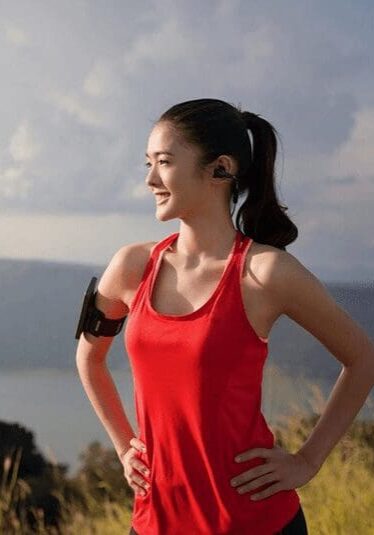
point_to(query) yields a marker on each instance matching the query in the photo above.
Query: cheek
(182, 183)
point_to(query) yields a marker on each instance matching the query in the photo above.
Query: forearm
(345, 401)
(103, 395)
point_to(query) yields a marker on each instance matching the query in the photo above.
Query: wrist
(123, 452)
(313, 463)
(125, 446)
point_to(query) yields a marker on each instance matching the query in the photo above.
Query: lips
(161, 197)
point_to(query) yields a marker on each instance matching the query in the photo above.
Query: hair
(216, 128)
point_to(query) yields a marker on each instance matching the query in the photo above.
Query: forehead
(163, 139)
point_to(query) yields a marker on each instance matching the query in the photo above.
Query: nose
(151, 179)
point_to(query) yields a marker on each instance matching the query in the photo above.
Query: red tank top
(197, 394)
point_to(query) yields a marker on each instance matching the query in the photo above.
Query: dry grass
(338, 501)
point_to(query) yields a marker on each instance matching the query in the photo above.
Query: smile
(160, 198)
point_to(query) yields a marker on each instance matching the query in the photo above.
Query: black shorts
(296, 526)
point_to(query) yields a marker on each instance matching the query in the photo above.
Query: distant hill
(39, 311)
(41, 301)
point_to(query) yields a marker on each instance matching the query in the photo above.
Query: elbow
(369, 363)
(363, 366)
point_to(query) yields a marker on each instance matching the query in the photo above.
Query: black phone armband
(93, 320)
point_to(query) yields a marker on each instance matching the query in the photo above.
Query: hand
(286, 470)
(133, 466)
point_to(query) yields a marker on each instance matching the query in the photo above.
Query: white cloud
(15, 35)
(37, 235)
(140, 191)
(13, 184)
(168, 43)
(100, 81)
(73, 106)
(23, 145)
(112, 71)
(356, 156)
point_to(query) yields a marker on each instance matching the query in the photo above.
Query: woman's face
(176, 174)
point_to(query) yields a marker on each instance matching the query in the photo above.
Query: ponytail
(261, 214)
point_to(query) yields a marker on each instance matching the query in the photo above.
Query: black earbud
(220, 172)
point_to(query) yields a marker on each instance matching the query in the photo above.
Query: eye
(160, 161)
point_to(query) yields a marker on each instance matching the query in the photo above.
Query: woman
(201, 304)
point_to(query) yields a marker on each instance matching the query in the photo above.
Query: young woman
(201, 303)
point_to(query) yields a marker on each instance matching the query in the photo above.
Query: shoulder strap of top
(164, 243)
(155, 251)
(151, 262)
(241, 253)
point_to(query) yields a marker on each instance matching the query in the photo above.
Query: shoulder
(121, 276)
(279, 273)
(265, 261)
(298, 293)
(132, 256)
(130, 261)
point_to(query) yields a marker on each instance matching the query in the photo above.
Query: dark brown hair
(216, 128)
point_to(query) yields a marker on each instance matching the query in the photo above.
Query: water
(54, 406)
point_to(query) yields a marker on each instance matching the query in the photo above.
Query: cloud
(23, 145)
(13, 184)
(101, 80)
(166, 44)
(97, 75)
(356, 155)
(15, 35)
(73, 105)
(82, 83)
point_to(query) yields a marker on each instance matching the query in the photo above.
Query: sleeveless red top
(197, 394)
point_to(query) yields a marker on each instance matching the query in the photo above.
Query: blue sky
(83, 81)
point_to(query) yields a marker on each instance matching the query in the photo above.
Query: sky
(82, 83)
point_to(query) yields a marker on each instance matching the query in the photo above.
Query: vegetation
(37, 496)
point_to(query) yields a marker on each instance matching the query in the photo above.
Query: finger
(142, 468)
(138, 489)
(138, 444)
(134, 482)
(267, 492)
(252, 473)
(256, 452)
(135, 478)
(258, 482)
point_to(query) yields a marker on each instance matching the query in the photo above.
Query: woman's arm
(103, 395)
(305, 300)
(92, 351)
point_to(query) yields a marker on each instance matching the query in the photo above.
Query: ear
(228, 162)
(225, 161)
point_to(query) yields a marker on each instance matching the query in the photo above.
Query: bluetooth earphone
(220, 172)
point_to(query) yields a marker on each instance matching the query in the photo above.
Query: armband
(93, 320)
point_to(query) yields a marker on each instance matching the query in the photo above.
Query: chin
(165, 213)
(165, 217)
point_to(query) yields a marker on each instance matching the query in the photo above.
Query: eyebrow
(160, 152)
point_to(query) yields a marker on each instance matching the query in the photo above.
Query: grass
(339, 500)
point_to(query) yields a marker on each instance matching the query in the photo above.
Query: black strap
(93, 320)
(97, 324)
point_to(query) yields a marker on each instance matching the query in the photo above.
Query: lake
(54, 406)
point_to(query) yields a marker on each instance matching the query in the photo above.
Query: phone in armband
(93, 320)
